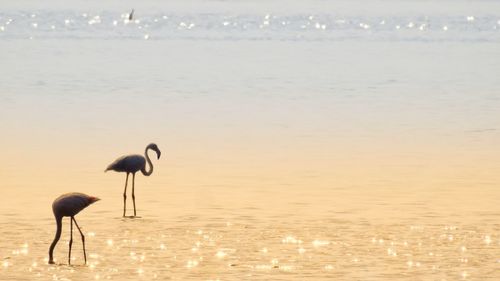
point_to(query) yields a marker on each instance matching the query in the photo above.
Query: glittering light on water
(286, 267)
(328, 267)
(220, 254)
(95, 20)
(470, 18)
(191, 263)
(109, 242)
(487, 239)
(291, 240)
(5, 264)
(262, 267)
(320, 243)
(445, 28)
(391, 252)
(146, 36)
(364, 25)
(301, 250)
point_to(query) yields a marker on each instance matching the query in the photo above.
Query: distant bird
(131, 15)
(132, 164)
(68, 205)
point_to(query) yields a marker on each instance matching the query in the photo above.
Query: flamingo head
(154, 147)
(93, 199)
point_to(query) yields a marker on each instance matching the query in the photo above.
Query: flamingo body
(69, 205)
(129, 164)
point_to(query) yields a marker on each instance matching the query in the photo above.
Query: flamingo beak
(94, 199)
(158, 153)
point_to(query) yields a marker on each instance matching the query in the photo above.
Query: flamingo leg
(133, 195)
(83, 240)
(70, 240)
(125, 196)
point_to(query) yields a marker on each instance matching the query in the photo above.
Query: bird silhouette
(132, 164)
(131, 15)
(68, 205)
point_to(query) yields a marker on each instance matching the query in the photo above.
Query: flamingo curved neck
(143, 170)
(56, 239)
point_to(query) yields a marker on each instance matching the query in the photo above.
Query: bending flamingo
(132, 164)
(68, 205)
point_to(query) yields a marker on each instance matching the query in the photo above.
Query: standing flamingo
(132, 164)
(68, 205)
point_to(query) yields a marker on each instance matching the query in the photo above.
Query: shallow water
(302, 141)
